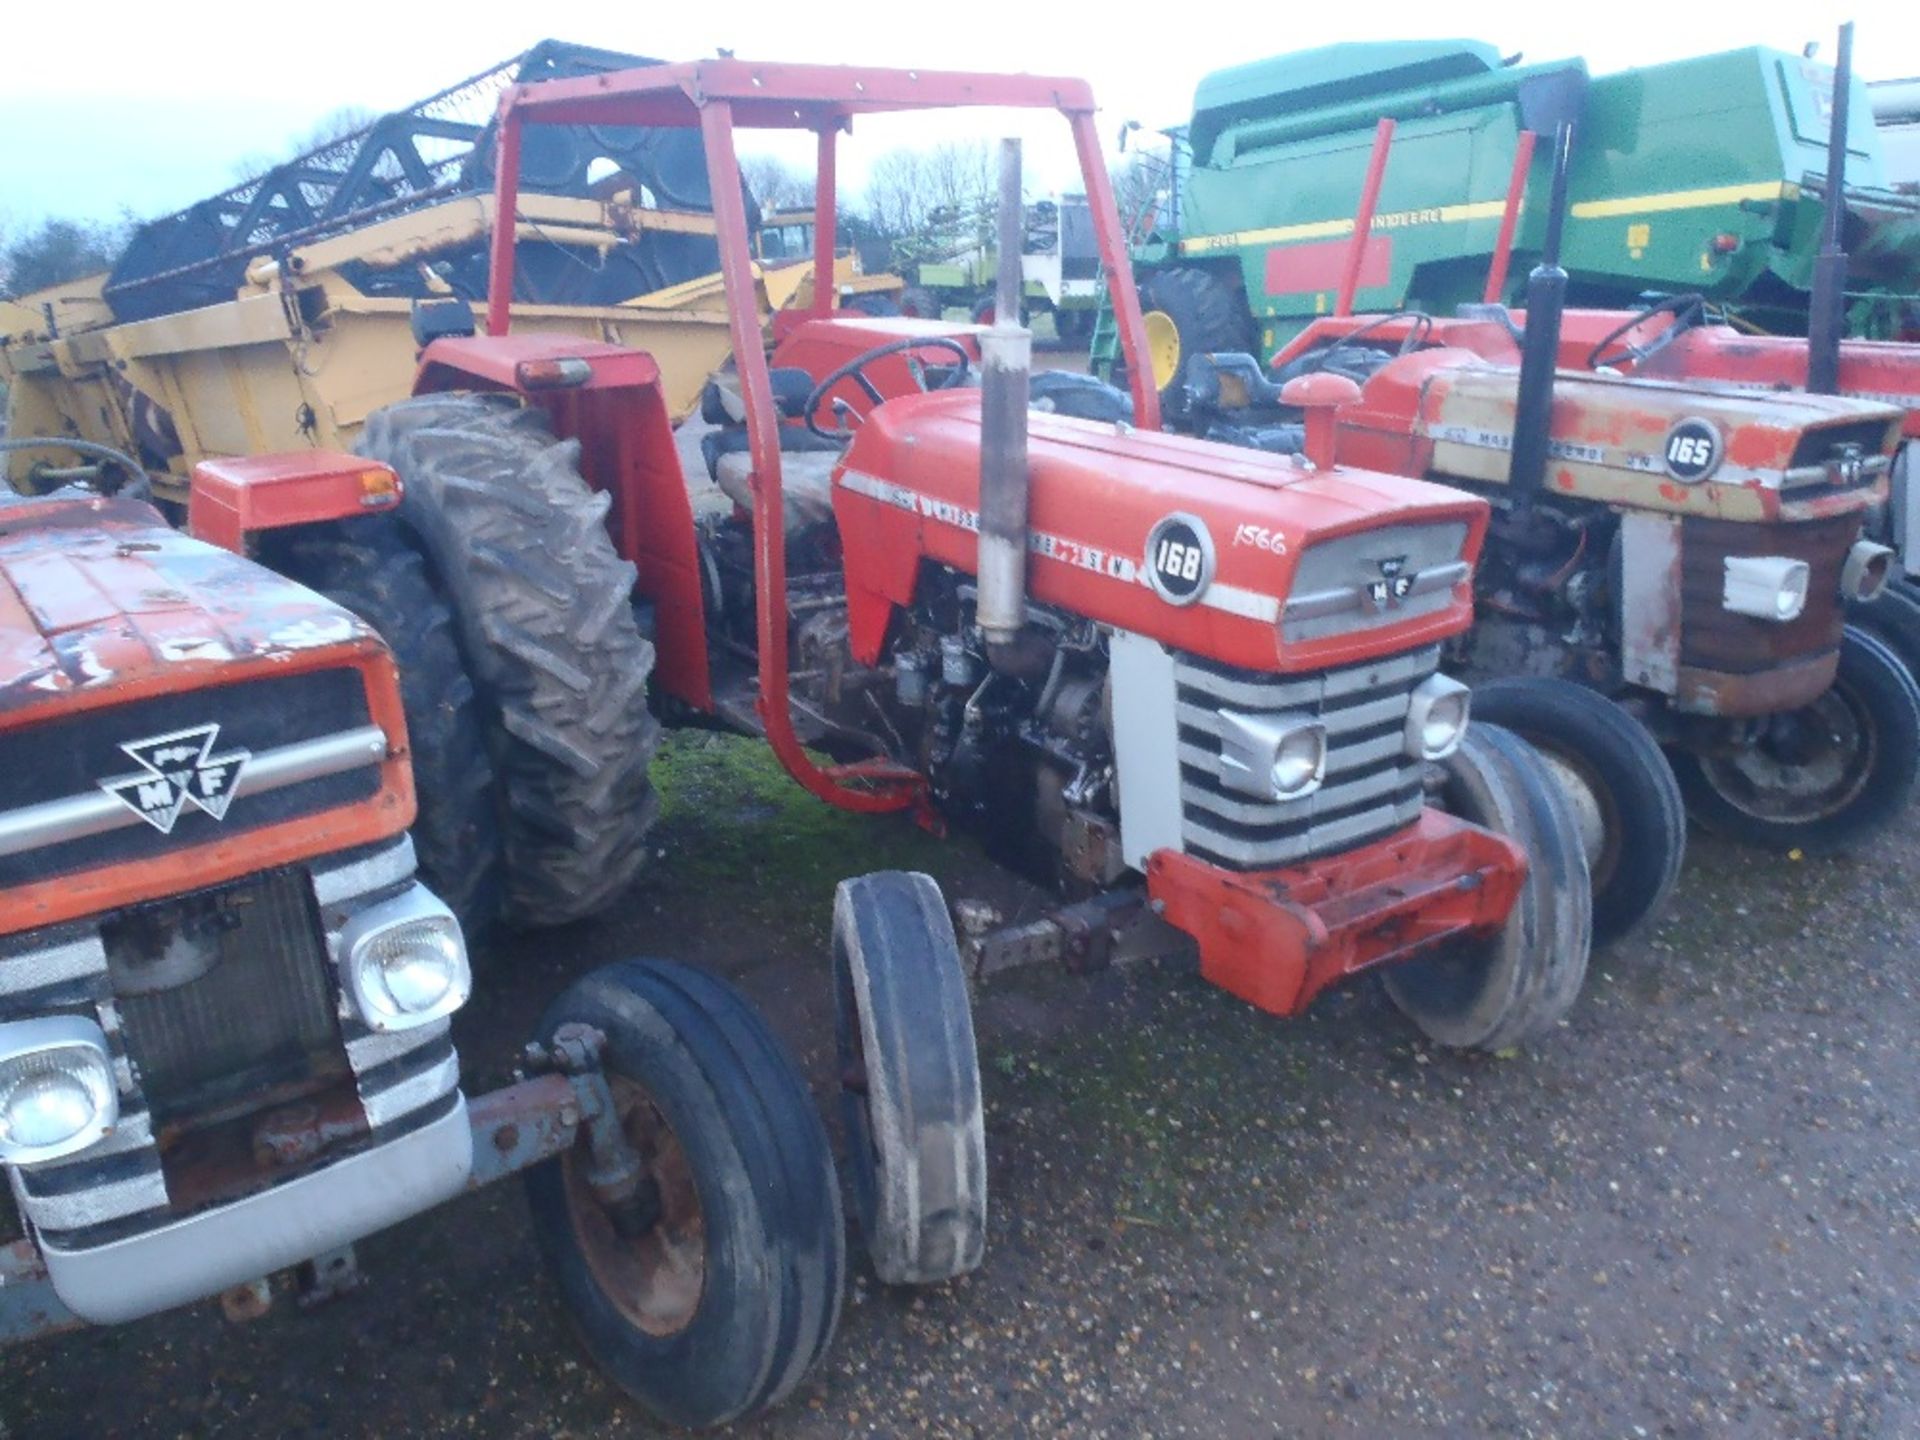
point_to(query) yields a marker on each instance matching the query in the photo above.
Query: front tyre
(727, 1294)
(1822, 778)
(1491, 992)
(1893, 618)
(910, 1079)
(1633, 823)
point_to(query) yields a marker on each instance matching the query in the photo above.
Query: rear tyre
(1893, 618)
(721, 1304)
(368, 566)
(519, 544)
(1492, 992)
(1633, 823)
(1824, 777)
(1190, 312)
(876, 304)
(910, 1079)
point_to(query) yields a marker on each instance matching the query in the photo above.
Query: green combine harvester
(1704, 175)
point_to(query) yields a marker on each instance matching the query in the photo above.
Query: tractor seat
(806, 484)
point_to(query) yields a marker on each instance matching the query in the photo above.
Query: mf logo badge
(176, 770)
(1179, 559)
(1693, 450)
(1393, 586)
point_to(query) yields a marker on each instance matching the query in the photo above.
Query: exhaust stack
(1006, 360)
(1826, 305)
(1540, 346)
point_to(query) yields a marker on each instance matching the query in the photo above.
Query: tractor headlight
(1299, 762)
(1437, 718)
(1273, 757)
(57, 1093)
(1869, 566)
(1767, 587)
(404, 962)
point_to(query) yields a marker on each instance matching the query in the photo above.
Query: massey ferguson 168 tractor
(225, 998)
(1194, 685)
(1691, 550)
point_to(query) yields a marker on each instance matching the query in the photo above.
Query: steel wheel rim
(1762, 783)
(1163, 347)
(655, 1280)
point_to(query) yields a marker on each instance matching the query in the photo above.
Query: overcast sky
(149, 105)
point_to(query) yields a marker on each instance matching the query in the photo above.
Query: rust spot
(1677, 493)
(1564, 479)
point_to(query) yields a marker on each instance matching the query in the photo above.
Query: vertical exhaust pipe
(1540, 346)
(1826, 305)
(1006, 359)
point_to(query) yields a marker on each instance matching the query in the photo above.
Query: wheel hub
(1806, 765)
(1163, 347)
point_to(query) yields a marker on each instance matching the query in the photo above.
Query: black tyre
(1824, 777)
(874, 303)
(722, 1303)
(519, 544)
(1893, 618)
(910, 1079)
(368, 566)
(1190, 312)
(1067, 392)
(919, 303)
(985, 310)
(1633, 823)
(1493, 992)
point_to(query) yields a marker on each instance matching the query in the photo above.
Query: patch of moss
(737, 830)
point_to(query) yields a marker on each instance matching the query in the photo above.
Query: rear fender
(617, 410)
(234, 498)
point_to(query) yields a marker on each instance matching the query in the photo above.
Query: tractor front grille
(1372, 788)
(226, 996)
(1713, 638)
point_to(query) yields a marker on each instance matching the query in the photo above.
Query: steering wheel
(855, 370)
(132, 479)
(1687, 311)
(1416, 335)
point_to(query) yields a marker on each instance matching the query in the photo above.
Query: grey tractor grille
(1372, 788)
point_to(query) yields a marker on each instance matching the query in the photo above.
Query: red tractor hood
(908, 490)
(99, 599)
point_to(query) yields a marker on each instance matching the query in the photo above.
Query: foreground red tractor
(1197, 686)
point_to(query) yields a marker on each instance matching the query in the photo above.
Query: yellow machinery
(303, 354)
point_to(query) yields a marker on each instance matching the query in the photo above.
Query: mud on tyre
(518, 543)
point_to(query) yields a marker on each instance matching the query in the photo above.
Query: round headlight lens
(1446, 722)
(409, 966)
(52, 1099)
(1300, 762)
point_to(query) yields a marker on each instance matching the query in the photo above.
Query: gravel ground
(1692, 1211)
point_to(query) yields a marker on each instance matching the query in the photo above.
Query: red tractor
(1692, 551)
(1196, 687)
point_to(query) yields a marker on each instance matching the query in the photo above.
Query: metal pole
(1006, 359)
(1363, 217)
(1509, 218)
(1825, 306)
(825, 300)
(1540, 346)
(506, 202)
(1117, 266)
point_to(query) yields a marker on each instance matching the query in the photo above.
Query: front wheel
(1490, 992)
(1633, 823)
(910, 1079)
(1893, 618)
(1824, 777)
(723, 1293)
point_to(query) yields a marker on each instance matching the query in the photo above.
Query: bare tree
(774, 184)
(899, 193)
(960, 178)
(1141, 187)
(335, 125)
